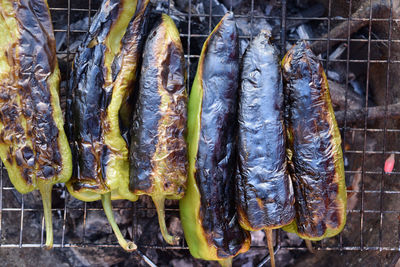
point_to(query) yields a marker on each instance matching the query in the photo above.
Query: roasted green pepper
(208, 211)
(33, 144)
(102, 81)
(314, 150)
(158, 148)
(264, 189)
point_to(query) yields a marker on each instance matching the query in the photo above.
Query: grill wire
(356, 215)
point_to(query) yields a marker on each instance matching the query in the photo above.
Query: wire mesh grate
(374, 196)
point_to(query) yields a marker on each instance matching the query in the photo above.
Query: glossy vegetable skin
(33, 145)
(314, 147)
(264, 189)
(158, 149)
(208, 211)
(102, 82)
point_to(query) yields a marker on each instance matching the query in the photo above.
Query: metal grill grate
(375, 194)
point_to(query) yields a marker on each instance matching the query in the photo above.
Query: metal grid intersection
(357, 215)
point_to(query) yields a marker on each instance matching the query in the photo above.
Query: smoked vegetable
(208, 211)
(33, 144)
(264, 189)
(315, 154)
(102, 83)
(158, 149)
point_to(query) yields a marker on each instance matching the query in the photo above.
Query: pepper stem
(309, 246)
(268, 233)
(159, 203)
(226, 262)
(45, 191)
(106, 201)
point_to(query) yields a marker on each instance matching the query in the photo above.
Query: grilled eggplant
(158, 149)
(264, 189)
(33, 144)
(314, 147)
(102, 82)
(208, 211)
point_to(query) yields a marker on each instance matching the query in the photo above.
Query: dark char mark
(174, 81)
(264, 190)
(133, 40)
(144, 130)
(36, 62)
(313, 166)
(87, 108)
(169, 75)
(215, 165)
(89, 98)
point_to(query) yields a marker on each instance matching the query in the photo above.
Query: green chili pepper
(208, 211)
(33, 145)
(158, 148)
(101, 86)
(314, 147)
(264, 189)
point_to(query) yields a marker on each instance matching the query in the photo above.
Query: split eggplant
(208, 211)
(314, 147)
(33, 144)
(158, 149)
(264, 189)
(101, 86)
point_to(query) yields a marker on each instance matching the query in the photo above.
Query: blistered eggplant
(158, 148)
(33, 144)
(208, 211)
(314, 147)
(264, 189)
(102, 82)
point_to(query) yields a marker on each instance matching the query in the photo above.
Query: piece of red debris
(389, 164)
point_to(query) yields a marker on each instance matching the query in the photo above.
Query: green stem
(159, 203)
(309, 245)
(268, 233)
(226, 262)
(45, 191)
(106, 201)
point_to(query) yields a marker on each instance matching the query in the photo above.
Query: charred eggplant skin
(102, 81)
(314, 147)
(208, 212)
(158, 154)
(264, 189)
(33, 144)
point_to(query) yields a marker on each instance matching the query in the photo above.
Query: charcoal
(232, 3)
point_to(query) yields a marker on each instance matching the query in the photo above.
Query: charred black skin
(315, 155)
(148, 114)
(87, 101)
(264, 190)
(144, 131)
(216, 157)
(37, 61)
(89, 98)
(158, 150)
(33, 144)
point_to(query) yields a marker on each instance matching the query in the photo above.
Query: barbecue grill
(372, 192)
